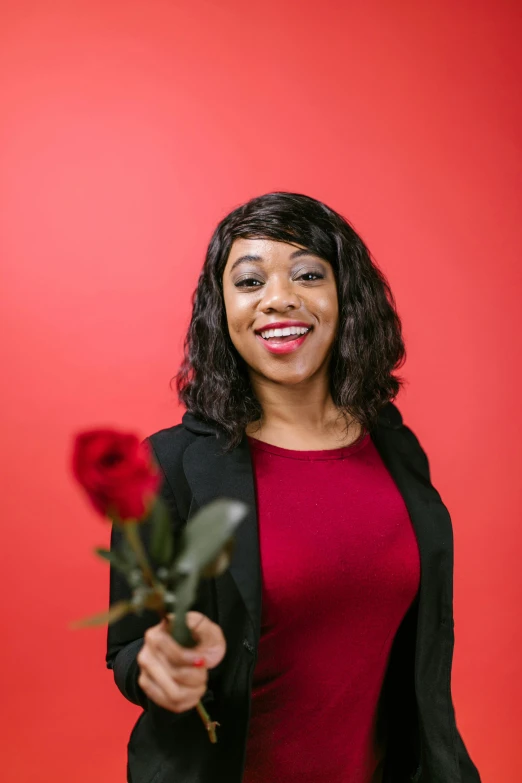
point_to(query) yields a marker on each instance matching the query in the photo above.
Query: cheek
(236, 322)
(237, 314)
(328, 309)
(230, 310)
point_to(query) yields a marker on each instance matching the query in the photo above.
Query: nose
(279, 296)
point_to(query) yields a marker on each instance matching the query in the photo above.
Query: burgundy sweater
(340, 568)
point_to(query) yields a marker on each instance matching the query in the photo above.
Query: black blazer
(424, 744)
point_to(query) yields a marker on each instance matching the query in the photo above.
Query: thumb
(208, 637)
(210, 641)
(193, 619)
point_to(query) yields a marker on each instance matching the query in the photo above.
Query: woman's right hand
(168, 674)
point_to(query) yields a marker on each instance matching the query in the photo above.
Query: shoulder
(169, 439)
(390, 416)
(168, 446)
(170, 443)
(404, 439)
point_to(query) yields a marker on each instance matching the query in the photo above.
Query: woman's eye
(253, 282)
(248, 282)
(311, 276)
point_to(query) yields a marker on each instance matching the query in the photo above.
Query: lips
(282, 343)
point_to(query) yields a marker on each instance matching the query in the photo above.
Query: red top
(340, 568)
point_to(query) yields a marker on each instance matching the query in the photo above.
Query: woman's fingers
(184, 700)
(174, 688)
(167, 672)
(159, 640)
(211, 644)
(191, 676)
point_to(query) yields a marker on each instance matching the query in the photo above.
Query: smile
(285, 339)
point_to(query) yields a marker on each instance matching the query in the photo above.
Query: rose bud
(117, 471)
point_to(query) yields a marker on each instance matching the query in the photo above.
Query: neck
(301, 408)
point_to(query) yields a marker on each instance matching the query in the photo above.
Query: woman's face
(271, 285)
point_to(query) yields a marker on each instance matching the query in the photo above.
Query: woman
(325, 650)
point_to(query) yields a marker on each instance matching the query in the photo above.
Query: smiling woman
(286, 283)
(283, 261)
(278, 336)
(333, 627)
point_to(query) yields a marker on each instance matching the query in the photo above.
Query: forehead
(269, 251)
(262, 247)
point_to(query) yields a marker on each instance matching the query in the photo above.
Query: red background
(129, 130)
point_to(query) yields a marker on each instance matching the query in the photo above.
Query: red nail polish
(198, 662)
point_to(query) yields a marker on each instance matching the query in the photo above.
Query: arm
(125, 637)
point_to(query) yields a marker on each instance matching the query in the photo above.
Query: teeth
(297, 330)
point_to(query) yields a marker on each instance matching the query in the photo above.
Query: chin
(288, 379)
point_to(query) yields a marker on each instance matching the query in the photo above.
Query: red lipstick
(283, 344)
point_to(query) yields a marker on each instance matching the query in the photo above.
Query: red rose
(117, 471)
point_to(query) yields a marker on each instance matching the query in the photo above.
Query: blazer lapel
(211, 475)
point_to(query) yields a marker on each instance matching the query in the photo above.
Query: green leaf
(186, 591)
(116, 611)
(116, 559)
(206, 548)
(162, 540)
(207, 533)
(207, 545)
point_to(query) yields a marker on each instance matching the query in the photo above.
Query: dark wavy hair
(213, 381)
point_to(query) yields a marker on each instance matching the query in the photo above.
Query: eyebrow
(260, 259)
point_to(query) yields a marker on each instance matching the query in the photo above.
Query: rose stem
(131, 533)
(210, 725)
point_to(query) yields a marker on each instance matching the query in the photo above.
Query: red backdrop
(129, 130)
